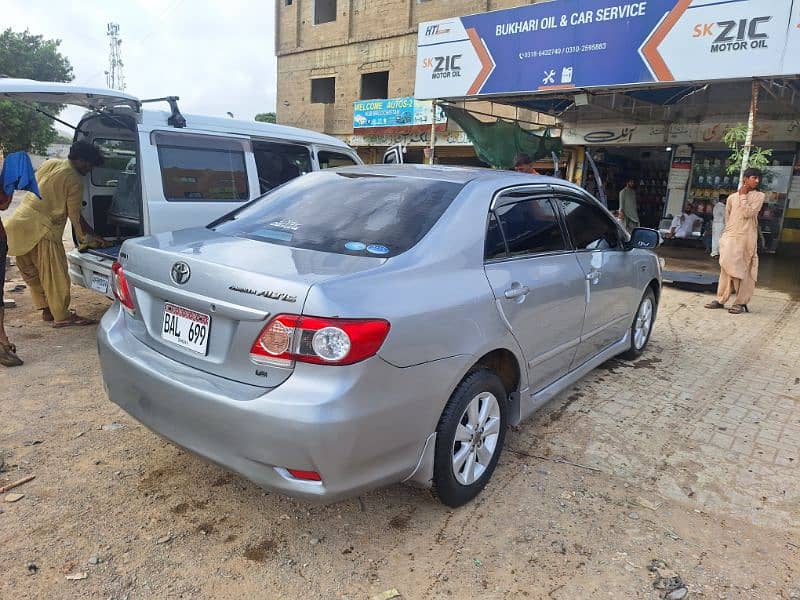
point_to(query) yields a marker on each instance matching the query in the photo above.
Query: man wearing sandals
(738, 246)
(36, 229)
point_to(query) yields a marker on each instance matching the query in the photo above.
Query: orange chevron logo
(650, 49)
(487, 64)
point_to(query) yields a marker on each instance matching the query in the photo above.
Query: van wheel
(469, 437)
(642, 325)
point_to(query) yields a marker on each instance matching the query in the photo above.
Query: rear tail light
(317, 340)
(120, 286)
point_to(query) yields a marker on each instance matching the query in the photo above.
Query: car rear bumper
(359, 426)
(86, 269)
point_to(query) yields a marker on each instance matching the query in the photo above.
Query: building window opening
(323, 90)
(324, 11)
(288, 2)
(375, 85)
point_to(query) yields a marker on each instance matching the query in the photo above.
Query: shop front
(688, 164)
(647, 166)
(648, 95)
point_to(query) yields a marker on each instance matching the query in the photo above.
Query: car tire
(642, 326)
(469, 437)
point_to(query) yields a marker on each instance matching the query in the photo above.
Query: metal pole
(433, 132)
(751, 125)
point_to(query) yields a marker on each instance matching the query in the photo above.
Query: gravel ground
(620, 485)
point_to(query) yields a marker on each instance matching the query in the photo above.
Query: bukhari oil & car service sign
(601, 43)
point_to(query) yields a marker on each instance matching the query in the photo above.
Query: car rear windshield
(346, 213)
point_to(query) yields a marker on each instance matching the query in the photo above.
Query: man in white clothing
(717, 226)
(683, 225)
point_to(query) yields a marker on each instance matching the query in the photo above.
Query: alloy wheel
(644, 321)
(476, 437)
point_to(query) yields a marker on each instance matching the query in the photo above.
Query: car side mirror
(644, 239)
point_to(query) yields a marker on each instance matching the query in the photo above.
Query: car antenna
(176, 119)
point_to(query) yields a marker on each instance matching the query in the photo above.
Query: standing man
(738, 246)
(36, 228)
(628, 207)
(717, 226)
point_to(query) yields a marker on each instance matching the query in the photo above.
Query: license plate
(186, 328)
(99, 283)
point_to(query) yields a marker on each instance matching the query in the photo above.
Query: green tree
(735, 138)
(27, 56)
(266, 117)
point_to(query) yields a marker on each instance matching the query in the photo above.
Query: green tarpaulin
(499, 142)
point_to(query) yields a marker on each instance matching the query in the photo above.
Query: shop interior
(647, 166)
(711, 182)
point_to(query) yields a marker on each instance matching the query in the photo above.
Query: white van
(164, 171)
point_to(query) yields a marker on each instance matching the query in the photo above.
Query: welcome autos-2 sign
(601, 43)
(395, 112)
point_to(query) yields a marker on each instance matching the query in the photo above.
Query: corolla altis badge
(377, 249)
(180, 272)
(355, 246)
(264, 293)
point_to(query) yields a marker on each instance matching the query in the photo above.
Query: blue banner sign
(603, 43)
(394, 112)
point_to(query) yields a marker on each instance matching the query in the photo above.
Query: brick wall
(367, 36)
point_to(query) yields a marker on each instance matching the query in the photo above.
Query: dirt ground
(688, 457)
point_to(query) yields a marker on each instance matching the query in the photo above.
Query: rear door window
(528, 227)
(117, 155)
(331, 160)
(346, 213)
(200, 168)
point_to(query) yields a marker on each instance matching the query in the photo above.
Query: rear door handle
(517, 291)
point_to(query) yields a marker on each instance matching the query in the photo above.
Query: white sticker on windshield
(286, 224)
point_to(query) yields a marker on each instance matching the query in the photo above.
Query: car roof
(158, 118)
(456, 174)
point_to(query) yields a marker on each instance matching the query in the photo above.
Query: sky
(218, 56)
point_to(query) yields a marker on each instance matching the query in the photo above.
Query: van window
(344, 213)
(331, 160)
(117, 155)
(197, 168)
(278, 163)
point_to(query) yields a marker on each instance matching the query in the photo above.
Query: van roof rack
(176, 119)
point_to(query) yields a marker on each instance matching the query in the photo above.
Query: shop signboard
(420, 138)
(569, 44)
(395, 112)
(709, 131)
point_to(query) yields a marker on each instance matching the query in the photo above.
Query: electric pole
(114, 77)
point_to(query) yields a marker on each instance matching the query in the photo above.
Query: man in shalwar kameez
(35, 230)
(738, 246)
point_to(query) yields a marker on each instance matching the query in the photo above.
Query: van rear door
(28, 90)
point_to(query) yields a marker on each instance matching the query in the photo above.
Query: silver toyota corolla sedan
(371, 325)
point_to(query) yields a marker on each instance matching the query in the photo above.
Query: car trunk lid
(186, 279)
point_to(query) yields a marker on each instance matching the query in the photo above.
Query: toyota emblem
(181, 273)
